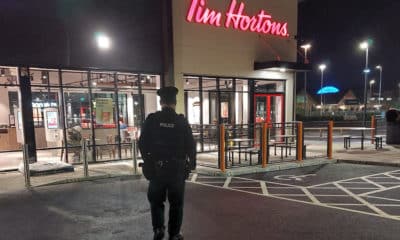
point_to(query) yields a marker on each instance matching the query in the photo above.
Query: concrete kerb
(91, 178)
(258, 169)
(364, 162)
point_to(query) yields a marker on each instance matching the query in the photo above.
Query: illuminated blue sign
(328, 90)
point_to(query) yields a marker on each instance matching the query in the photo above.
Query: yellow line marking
(264, 188)
(361, 200)
(227, 181)
(194, 177)
(304, 202)
(310, 195)
(382, 198)
(377, 191)
(373, 183)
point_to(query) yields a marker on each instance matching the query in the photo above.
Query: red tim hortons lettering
(236, 19)
(200, 14)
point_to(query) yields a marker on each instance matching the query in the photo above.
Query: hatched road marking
(354, 194)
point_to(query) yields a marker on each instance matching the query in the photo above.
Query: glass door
(269, 108)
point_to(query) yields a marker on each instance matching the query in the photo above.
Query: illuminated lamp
(103, 41)
(328, 90)
(367, 70)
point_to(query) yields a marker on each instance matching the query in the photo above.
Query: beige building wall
(207, 50)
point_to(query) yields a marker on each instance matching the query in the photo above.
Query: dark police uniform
(166, 142)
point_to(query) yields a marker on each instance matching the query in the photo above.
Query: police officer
(168, 151)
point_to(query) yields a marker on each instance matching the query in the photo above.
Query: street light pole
(305, 47)
(371, 84)
(379, 67)
(365, 46)
(399, 90)
(322, 67)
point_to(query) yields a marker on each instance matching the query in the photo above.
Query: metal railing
(82, 171)
(259, 144)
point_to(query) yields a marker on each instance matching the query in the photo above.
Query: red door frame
(268, 105)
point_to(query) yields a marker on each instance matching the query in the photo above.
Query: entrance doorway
(269, 108)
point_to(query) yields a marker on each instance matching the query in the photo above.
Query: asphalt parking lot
(352, 202)
(364, 189)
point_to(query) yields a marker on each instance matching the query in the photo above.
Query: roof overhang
(281, 65)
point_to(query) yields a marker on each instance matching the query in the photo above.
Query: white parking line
(264, 188)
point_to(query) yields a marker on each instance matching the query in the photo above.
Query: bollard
(264, 145)
(27, 173)
(373, 131)
(222, 147)
(134, 156)
(299, 148)
(330, 140)
(85, 162)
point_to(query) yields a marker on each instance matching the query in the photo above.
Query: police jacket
(166, 144)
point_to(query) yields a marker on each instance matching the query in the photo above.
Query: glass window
(44, 77)
(267, 86)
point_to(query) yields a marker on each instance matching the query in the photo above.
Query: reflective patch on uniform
(167, 125)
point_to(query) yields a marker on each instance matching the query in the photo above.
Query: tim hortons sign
(236, 18)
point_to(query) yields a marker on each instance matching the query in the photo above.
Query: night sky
(336, 27)
(62, 33)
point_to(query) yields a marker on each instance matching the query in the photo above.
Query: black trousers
(157, 193)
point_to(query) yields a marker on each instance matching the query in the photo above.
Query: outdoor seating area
(376, 140)
(244, 143)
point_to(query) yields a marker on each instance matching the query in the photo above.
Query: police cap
(168, 94)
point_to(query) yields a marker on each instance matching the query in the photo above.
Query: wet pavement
(365, 189)
(341, 201)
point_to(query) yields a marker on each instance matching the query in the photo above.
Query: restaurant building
(234, 62)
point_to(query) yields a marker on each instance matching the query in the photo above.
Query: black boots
(159, 234)
(176, 237)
